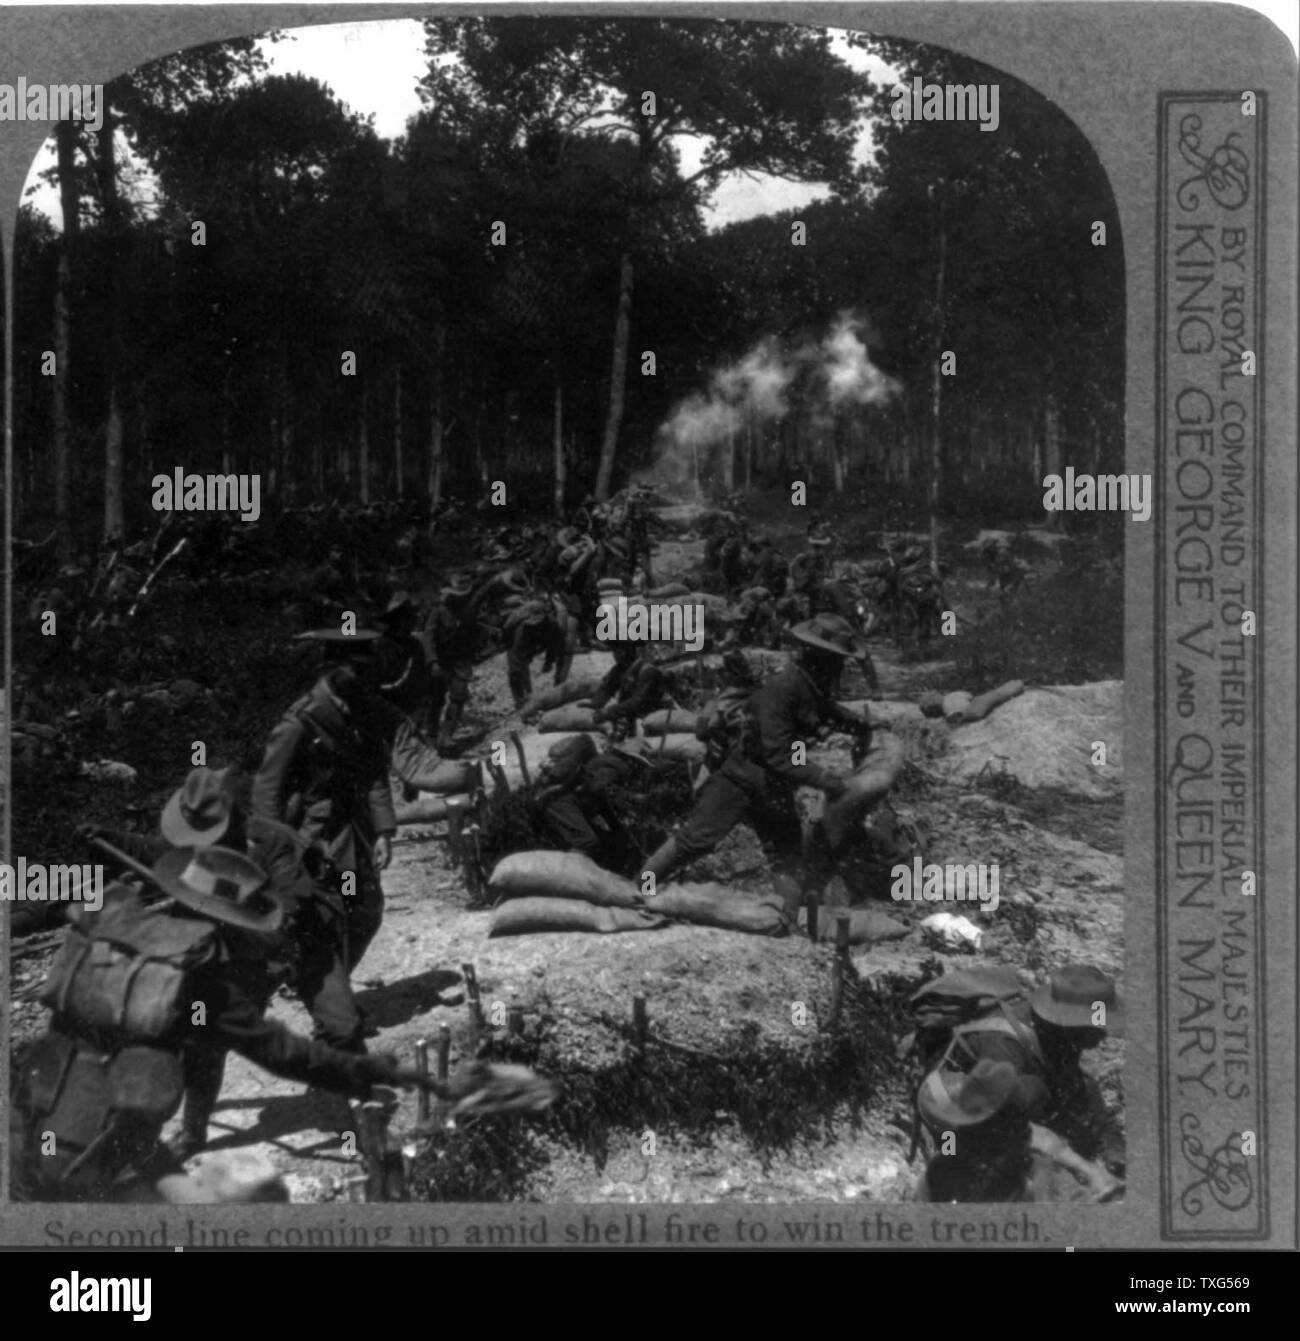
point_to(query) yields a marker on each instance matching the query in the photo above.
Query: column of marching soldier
(243, 893)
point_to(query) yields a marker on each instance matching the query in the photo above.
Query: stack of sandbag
(714, 905)
(669, 721)
(867, 786)
(564, 891)
(578, 685)
(979, 708)
(958, 707)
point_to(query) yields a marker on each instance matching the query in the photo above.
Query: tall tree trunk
(61, 409)
(936, 393)
(435, 422)
(617, 379)
(106, 168)
(559, 450)
(1052, 449)
(397, 432)
(363, 451)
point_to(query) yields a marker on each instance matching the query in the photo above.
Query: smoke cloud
(831, 374)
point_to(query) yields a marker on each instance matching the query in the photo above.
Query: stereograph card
(899, 398)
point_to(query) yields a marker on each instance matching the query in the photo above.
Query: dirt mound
(1045, 738)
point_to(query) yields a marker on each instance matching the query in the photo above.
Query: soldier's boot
(663, 861)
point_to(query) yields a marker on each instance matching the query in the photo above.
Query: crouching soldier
(534, 629)
(136, 983)
(980, 1123)
(573, 799)
(633, 687)
(758, 778)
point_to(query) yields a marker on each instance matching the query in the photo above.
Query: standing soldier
(451, 637)
(325, 774)
(759, 776)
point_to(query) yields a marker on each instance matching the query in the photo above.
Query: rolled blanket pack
(715, 905)
(867, 786)
(521, 916)
(979, 708)
(428, 809)
(570, 717)
(675, 720)
(561, 875)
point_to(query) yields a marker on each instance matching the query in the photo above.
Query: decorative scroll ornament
(1225, 1171)
(1225, 172)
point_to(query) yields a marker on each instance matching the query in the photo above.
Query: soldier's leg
(517, 672)
(721, 805)
(365, 914)
(326, 990)
(205, 1068)
(458, 696)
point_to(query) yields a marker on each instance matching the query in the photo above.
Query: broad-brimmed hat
(949, 1099)
(830, 633)
(221, 884)
(1069, 995)
(200, 810)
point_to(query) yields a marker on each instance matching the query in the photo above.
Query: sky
(373, 68)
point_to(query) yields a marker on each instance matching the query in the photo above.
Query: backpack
(122, 972)
(947, 1010)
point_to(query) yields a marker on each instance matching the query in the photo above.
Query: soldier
(451, 638)
(1046, 1038)
(308, 951)
(981, 1121)
(573, 799)
(325, 774)
(771, 569)
(403, 673)
(92, 1095)
(720, 721)
(633, 687)
(532, 629)
(759, 776)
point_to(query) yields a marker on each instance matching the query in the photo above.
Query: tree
(765, 98)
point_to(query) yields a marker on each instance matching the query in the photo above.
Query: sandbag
(955, 705)
(866, 787)
(714, 905)
(865, 925)
(520, 916)
(680, 721)
(570, 717)
(561, 875)
(418, 764)
(556, 695)
(979, 708)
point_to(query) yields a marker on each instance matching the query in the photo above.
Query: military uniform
(536, 630)
(325, 774)
(108, 1074)
(632, 688)
(573, 800)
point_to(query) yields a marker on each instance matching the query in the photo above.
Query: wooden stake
(372, 1149)
(422, 1066)
(837, 968)
(444, 1051)
(640, 1022)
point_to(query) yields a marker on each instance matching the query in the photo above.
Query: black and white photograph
(568, 637)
